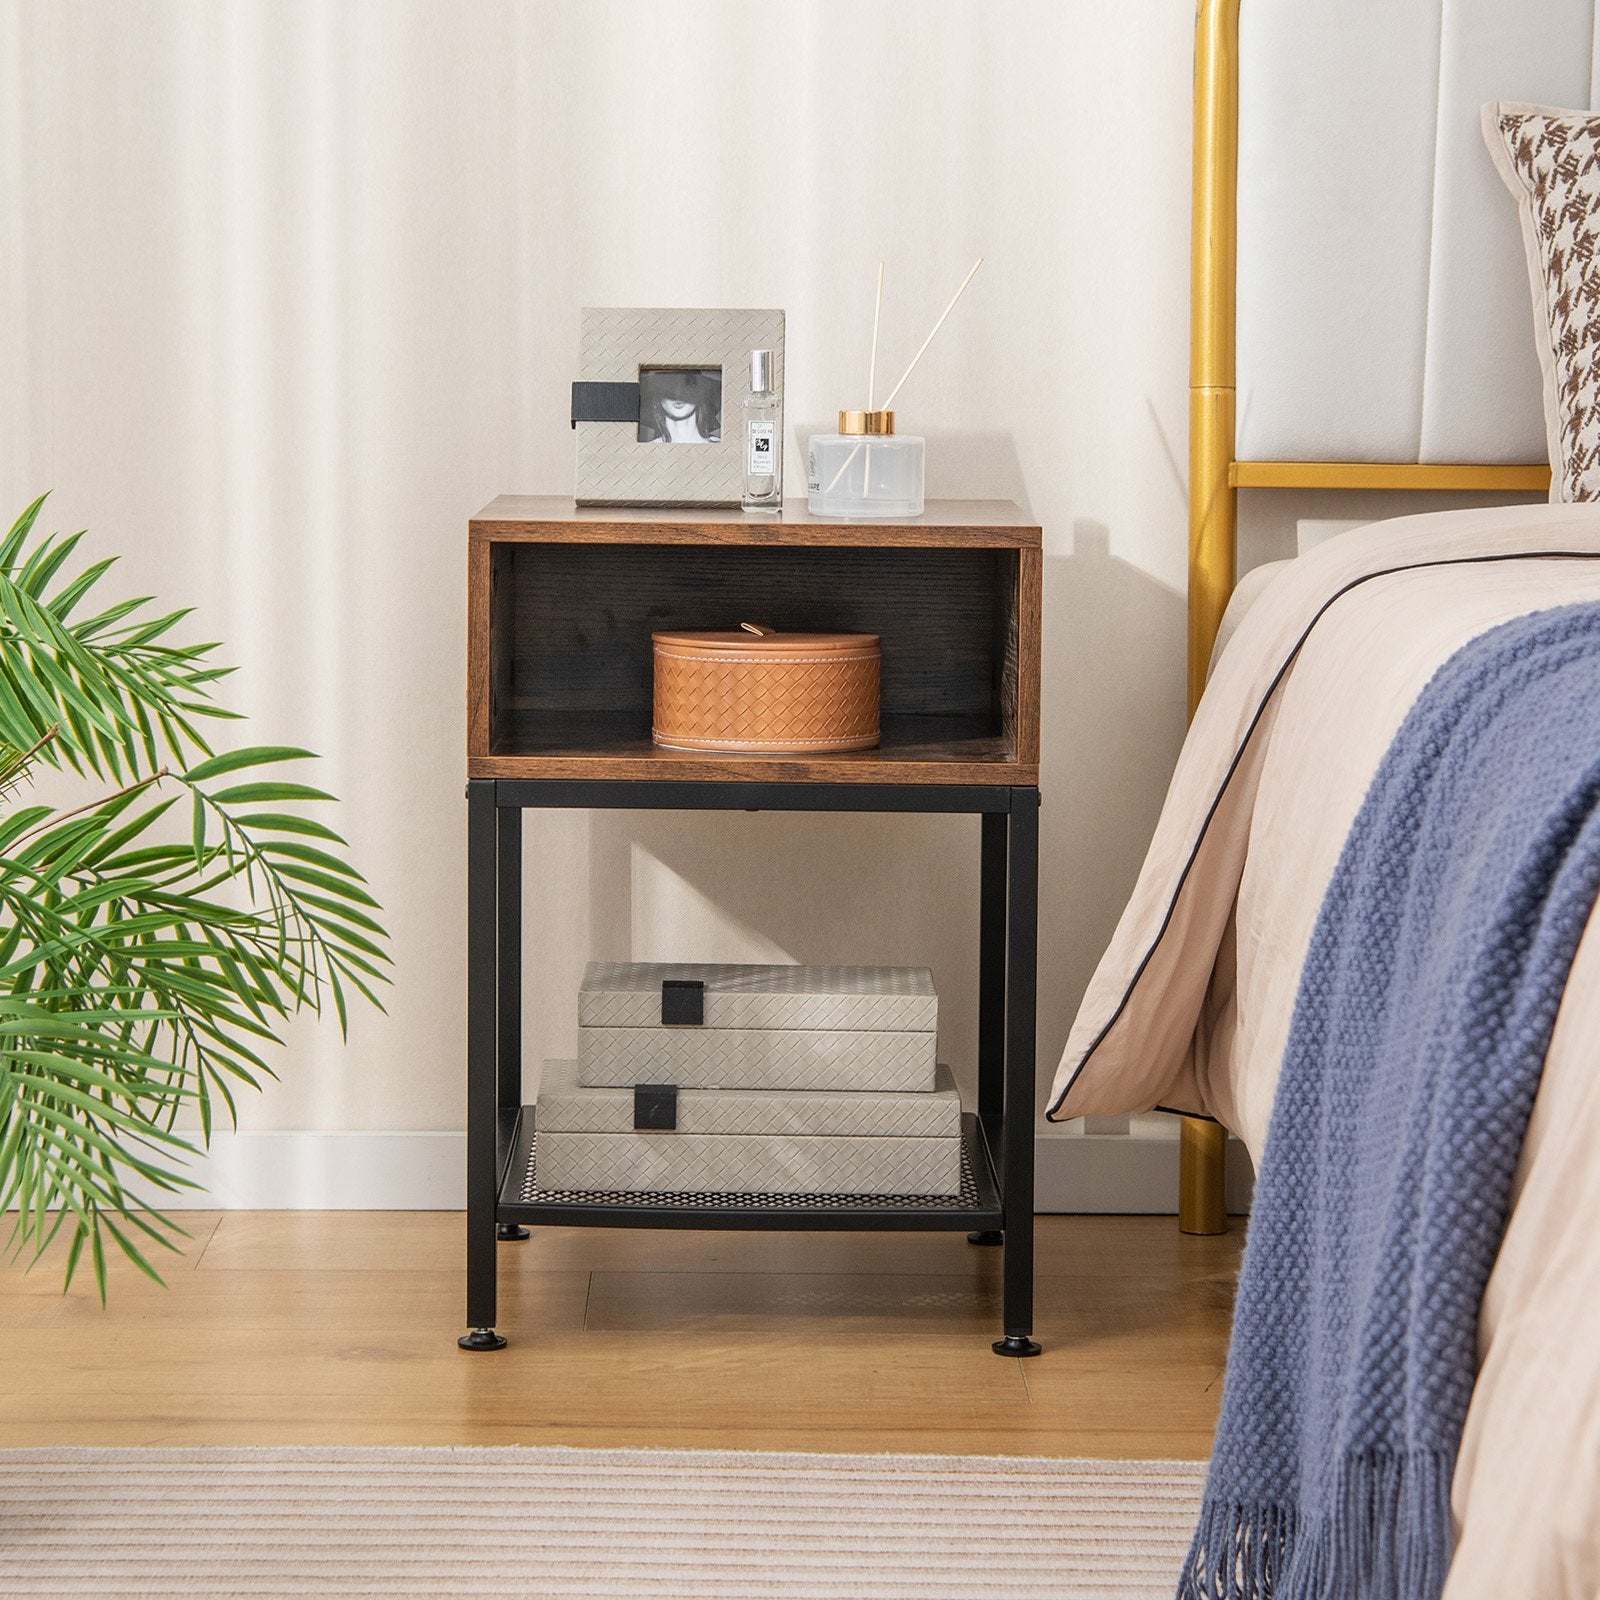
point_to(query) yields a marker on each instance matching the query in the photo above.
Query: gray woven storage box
(749, 1141)
(759, 1027)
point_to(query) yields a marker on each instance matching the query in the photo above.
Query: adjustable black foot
(511, 1230)
(986, 1236)
(1016, 1344)
(485, 1339)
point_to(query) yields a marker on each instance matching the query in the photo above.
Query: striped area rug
(617, 1523)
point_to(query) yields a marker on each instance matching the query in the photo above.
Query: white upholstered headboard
(1383, 307)
(1361, 313)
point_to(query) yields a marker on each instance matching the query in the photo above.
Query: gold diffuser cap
(866, 422)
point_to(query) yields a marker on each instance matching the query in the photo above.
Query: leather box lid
(566, 1106)
(760, 647)
(627, 994)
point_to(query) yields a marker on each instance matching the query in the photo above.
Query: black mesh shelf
(976, 1207)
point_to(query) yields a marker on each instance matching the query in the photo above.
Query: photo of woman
(680, 405)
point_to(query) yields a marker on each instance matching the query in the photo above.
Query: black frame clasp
(604, 402)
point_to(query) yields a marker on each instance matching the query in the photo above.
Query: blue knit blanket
(1424, 1013)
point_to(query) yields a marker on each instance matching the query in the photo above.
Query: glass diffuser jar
(866, 469)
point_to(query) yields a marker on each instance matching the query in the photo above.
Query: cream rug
(620, 1523)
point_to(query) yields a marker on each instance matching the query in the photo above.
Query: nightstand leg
(1022, 934)
(992, 991)
(992, 972)
(508, 1041)
(482, 1083)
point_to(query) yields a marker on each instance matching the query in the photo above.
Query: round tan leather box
(761, 692)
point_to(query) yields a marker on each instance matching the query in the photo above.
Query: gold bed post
(1202, 1146)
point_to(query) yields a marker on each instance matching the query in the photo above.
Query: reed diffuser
(866, 469)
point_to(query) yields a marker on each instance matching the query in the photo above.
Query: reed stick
(889, 401)
(872, 365)
(872, 377)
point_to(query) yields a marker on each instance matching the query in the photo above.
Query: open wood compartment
(570, 665)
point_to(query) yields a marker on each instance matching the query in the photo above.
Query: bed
(1362, 320)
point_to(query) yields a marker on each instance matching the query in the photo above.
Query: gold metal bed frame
(1215, 477)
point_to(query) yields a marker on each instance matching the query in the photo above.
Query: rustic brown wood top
(548, 519)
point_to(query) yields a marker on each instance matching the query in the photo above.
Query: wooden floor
(340, 1328)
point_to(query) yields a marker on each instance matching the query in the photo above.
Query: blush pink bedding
(1190, 1007)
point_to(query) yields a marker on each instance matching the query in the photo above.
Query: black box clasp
(683, 1003)
(655, 1106)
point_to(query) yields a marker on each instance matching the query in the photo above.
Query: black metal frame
(999, 1138)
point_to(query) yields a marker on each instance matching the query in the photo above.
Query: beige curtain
(288, 290)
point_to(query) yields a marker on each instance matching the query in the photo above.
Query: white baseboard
(1076, 1172)
(329, 1172)
(1134, 1172)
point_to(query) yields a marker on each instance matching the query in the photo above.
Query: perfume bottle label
(761, 448)
(813, 481)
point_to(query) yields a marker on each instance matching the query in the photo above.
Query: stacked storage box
(752, 1080)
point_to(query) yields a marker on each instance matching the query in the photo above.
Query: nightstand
(562, 601)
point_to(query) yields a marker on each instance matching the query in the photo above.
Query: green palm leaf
(145, 965)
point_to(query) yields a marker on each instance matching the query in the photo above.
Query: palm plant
(153, 938)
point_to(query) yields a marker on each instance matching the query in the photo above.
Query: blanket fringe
(1385, 1531)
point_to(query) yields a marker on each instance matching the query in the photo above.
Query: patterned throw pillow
(1550, 161)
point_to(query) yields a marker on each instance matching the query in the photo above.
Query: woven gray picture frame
(616, 468)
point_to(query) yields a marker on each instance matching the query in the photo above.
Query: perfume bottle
(866, 469)
(763, 439)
